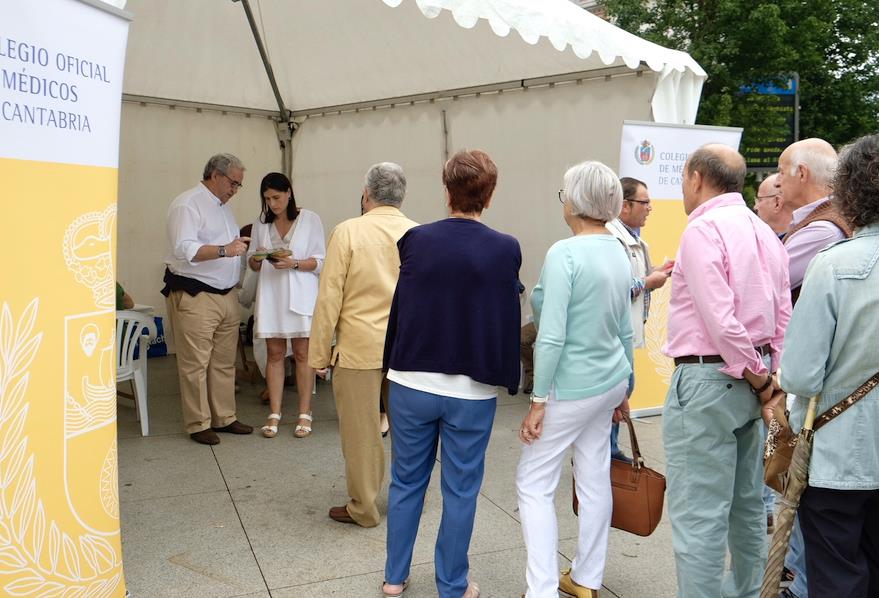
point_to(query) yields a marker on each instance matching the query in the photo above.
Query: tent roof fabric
(337, 52)
(564, 24)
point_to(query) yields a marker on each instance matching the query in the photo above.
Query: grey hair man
(771, 206)
(805, 173)
(353, 304)
(201, 274)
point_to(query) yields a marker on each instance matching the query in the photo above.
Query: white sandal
(271, 431)
(301, 431)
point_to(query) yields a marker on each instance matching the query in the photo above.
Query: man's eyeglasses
(235, 184)
(762, 197)
(646, 202)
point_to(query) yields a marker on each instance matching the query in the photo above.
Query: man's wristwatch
(221, 251)
(538, 400)
(759, 391)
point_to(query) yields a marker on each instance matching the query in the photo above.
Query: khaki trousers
(355, 392)
(527, 338)
(205, 331)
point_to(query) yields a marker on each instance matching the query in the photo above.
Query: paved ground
(248, 517)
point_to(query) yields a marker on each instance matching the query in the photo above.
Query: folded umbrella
(794, 484)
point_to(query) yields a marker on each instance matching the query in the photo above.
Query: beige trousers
(355, 392)
(527, 338)
(205, 331)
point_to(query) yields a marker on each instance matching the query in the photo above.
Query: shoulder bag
(638, 492)
(780, 441)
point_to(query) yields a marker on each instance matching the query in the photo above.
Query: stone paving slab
(247, 518)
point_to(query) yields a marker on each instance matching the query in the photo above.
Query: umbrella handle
(810, 413)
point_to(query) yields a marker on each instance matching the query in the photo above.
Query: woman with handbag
(830, 350)
(286, 292)
(582, 363)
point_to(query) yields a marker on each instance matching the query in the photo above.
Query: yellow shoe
(569, 587)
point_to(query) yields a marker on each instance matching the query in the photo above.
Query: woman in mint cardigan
(582, 362)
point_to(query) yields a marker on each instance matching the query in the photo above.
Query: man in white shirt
(645, 278)
(202, 270)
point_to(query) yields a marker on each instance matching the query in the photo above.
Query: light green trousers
(713, 445)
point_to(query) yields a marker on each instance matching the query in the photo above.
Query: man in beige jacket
(356, 288)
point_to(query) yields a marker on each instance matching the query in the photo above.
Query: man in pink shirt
(730, 304)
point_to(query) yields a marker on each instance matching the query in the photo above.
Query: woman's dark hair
(856, 184)
(276, 182)
(470, 177)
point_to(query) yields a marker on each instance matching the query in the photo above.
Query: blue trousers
(615, 428)
(420, 420)
(796, 562)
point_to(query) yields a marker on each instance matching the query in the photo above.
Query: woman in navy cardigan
(453, 338)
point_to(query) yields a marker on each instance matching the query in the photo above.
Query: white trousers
(585, 425)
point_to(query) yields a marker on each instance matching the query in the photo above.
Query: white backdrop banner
(655, 152)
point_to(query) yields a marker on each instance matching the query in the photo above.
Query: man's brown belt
(763, 350)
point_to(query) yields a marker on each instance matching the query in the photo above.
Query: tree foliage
(832, 44)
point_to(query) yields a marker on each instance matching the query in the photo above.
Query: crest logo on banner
(644, 153)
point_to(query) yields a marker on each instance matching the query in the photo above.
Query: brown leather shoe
(235, 427)
(205, 437)
(341, 515)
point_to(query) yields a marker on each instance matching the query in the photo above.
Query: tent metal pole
(445, 137)
(285, 126)
(285, 114)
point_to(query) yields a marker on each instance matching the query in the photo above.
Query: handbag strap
(847, 402)
(637, 459)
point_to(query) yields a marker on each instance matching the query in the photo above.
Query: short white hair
(386, 184)
(594, 191)
(821, 161)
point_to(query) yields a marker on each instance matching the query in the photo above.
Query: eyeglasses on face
(562, 195)
(646, 202)
(235, 184)
(762, 197)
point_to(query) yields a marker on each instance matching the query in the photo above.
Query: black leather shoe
(235, 427)
(205, 437)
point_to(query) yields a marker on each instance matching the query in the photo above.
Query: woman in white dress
(286, 293)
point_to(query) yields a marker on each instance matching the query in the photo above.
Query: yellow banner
(59, 501)
(61, 70)
(653, 369)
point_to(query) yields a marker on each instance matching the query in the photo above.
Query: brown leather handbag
(638, 492)
(781, 440)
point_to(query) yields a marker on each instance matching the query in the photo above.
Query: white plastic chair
(129, 335)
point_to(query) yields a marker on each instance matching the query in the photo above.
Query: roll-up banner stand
(655, 153)
(61, 68)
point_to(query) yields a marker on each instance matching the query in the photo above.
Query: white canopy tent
(364, 81)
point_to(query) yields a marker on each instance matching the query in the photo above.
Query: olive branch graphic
(654, 333)
(36, 557)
